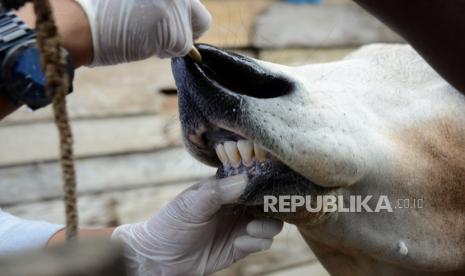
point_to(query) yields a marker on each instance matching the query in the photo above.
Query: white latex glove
(195, 234)
(129, 30)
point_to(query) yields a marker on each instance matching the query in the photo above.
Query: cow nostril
(242, 75)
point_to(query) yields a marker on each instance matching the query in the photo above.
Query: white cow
(380, 122)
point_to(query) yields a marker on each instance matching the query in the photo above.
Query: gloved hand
(195, 234)
(129, 30)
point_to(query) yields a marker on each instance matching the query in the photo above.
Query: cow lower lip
(270, 177)
(254, 172)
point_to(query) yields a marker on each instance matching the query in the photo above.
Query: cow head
(379, 123)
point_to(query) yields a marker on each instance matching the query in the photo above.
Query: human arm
(110, 32)
(198, 233)
(59, 237)
(195, 234)
(106, 32)
(18, 234)
(73, 27)
(130, 30)
(435, 28)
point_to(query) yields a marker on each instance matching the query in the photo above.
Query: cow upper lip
(222, 69)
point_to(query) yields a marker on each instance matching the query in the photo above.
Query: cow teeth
(222, 154)
(260, 153)
(246, 150)
(233, 153)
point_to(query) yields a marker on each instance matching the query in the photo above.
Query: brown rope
(53, 63)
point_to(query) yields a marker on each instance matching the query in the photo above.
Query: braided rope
(53, 63)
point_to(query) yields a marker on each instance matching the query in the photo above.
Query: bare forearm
(60, 236)
(73, 27)
(435, 28)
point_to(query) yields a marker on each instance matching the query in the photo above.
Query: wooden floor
(130, 160)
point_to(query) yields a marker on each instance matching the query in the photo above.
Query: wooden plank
(125, 89)
(289, 249)
(121, 90)
(132, 205)
(297, 57)
(43, 181)
(287, 25)
(39, 142)
(233, 22)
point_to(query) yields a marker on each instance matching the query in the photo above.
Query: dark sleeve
(435, 28)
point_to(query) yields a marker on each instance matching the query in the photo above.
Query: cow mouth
(215, 130)
(266, 173)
